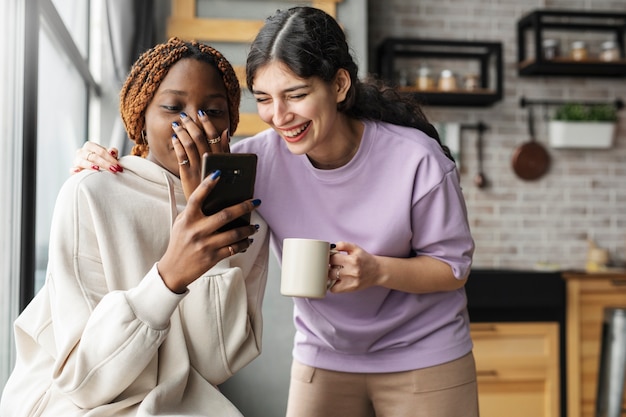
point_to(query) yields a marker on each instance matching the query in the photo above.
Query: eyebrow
(287, 90)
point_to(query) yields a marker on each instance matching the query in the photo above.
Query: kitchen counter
(500, 295)
(515, 295)
(615, 274)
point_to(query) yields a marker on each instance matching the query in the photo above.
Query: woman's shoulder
(410, 134)
(103, 183)
(407, 141)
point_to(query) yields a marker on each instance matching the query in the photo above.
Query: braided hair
(311, 43)
(148, 72)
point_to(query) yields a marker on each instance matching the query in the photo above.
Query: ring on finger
(185, 162)
(89, 155)
(231, 250)
(339, 268)
(215, 140)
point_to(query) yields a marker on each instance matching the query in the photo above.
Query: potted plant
(583, 126)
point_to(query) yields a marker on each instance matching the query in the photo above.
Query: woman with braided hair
(146, 308)
(356, 163)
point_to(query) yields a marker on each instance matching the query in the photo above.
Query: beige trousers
(446, 390)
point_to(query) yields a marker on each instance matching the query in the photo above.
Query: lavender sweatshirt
(399, 196)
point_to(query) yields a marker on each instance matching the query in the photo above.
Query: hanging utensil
(531, 160)
(480, 180)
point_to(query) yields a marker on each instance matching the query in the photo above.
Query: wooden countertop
(616, 274)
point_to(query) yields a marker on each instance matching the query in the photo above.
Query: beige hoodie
(105, 336)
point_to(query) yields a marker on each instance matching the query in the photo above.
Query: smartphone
(236, 183)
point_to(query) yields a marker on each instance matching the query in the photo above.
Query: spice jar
(403, 78)
(551, 48)
(579, 51)
(447, 81)
(424, 79)
(471, 82)
(609, 52)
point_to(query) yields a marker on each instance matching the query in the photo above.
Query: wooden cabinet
(518, 368)
(587, 297)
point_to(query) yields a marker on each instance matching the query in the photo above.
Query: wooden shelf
(538, 21)
(568, 67)
(487, 56)
(475, 98)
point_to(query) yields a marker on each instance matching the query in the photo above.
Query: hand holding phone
(236, 183)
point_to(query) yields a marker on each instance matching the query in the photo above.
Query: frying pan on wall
(531, 160)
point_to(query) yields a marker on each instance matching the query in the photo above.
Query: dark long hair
(311, 43)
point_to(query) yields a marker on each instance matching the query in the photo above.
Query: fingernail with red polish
(113, 169)
(95, 167)
(119, 168)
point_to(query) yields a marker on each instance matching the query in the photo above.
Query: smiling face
(302, 111)
(189, 86)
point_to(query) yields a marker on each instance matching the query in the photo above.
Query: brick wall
(518, 224)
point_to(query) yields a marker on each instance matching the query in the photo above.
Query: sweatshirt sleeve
(222, 314)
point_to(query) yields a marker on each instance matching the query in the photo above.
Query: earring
(143, 138)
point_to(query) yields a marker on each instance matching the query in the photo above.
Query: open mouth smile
(294, 135)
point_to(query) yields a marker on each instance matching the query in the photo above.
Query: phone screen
(235, 185)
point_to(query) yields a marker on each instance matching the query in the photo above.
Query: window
(62, 109)
(47, 90)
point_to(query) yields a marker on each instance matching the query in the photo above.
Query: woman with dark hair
(356, 163)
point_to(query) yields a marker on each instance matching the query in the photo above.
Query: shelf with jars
(444, 72)
(571, 43)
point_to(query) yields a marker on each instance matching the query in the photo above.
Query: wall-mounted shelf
(579, 22)
(483, 58)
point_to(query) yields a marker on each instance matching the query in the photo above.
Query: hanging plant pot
(580, 134)
(584, 126)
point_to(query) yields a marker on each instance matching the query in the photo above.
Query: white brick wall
(517, 224)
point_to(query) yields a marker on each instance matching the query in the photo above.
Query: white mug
(304, 269)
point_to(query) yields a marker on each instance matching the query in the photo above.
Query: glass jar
(609, 52)
(424, 79)
(471, 82)
(579, 51)
(551, 48)
(447, 81)
(403, 78)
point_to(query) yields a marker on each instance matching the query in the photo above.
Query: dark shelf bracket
(480, 126)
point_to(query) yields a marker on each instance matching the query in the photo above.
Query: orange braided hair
(151, 68)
